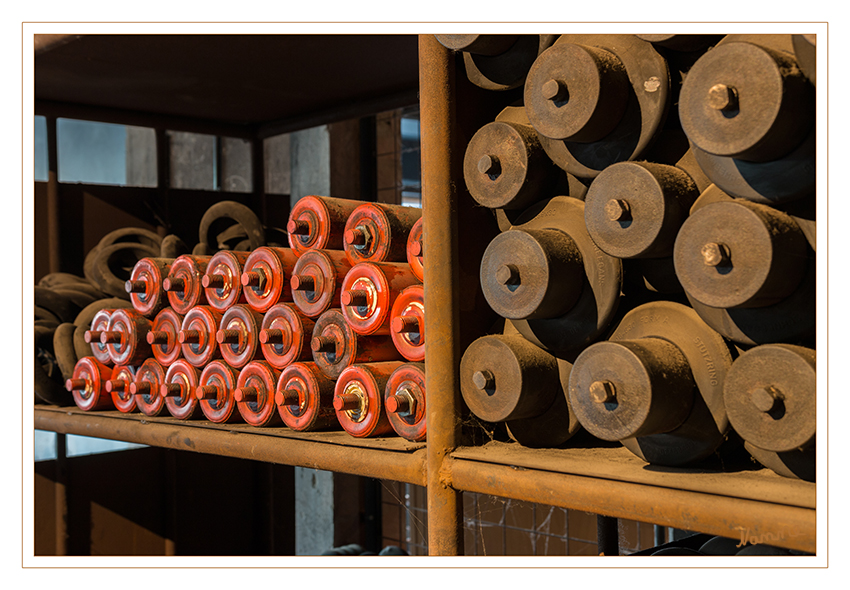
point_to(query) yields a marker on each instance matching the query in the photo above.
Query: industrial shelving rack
(605, 481)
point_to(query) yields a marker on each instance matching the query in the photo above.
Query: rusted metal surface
(317, 279)
(317, 222)
(437, 75)
(407, 323)
(770, 395)
(119, 386)
(197, 335)
(369, 291)
(183, 283)
(405, 401)
(738, 254)
(506, 70)
(784, 525)
(478, 44)
(254, 394)
(415, 250)
(312, 452)
(126, 337)
(359, 399)
(163, 336)
(178, 389)
(285, 335)
(265, 277)
(145, 285)
(377, 232)
(146, 388)
(304, 398)
(335, 345)
(215, 393)
(223, 279)
(238, 336)
(635, 209)
(88, 385)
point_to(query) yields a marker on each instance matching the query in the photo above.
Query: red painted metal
(254, 394)
(119, 387)
(87, 385)
(183, 283)
(404, 400)
(319, 222)
(223, 279)
(149, 378)
(304, 398)
(99, 324)
(126, 337)
(265, 277)
(215, 393)
(415, 251)
(163, 336)
(178, 389)
(317, 280)
(359, 399)
(145, 285)
(408, 323)
(285, 335)
(369, 291)
(378, 232)
(237, 336)
(336, 345)
(197, 335)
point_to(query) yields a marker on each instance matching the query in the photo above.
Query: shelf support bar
(442, 356)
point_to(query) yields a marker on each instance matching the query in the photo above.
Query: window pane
(91, 152)
(236, 174)
(192, 160)
(41, 172)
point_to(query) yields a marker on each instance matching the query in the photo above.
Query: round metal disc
(746, 101)
(600, 294)
(634, 210)
(739, 254)
(478, 44)
(709, 358)
(791, 464)
(576, 92)
(645, 111)
(505, 166)
(805, 50)
(531, 274)
(771, 397)
(508, 69)
(507, 378)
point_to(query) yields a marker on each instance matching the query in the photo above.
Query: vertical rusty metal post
(607, 535)
(54, 213)
(442, 356)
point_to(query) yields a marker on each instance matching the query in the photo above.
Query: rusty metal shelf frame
(319, 453)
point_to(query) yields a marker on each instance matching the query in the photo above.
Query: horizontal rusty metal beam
(763, 522)
(407, 467)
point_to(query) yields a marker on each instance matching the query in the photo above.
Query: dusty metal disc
(709, 358)
(527, 274)
(505, 166)
(771, 397)
(644, 114)
(746, 101)
(621, 389)
(576, 92)
(635, 209)
(508, 69)
(805, 50)
(600, 294)
(736, 254)
(507, 378)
